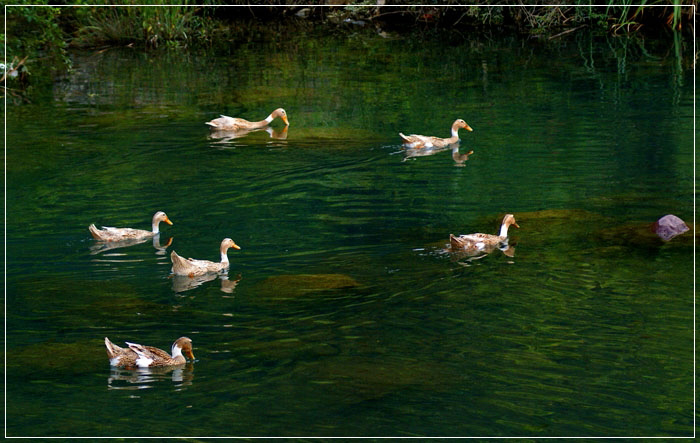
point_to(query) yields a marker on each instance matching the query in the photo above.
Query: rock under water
(669, 226)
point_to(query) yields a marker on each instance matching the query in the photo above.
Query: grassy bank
(38, 37)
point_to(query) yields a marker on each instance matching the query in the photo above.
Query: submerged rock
(289, 286)
(552, 226)
(669, 226)
(358, 379)
(639, 235)
(53, 358)
(556, 215)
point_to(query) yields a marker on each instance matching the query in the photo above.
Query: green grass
(151, 26)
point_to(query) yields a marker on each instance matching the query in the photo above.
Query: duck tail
(94, 231)
(179, 263)
(112, 349)
(454, 241)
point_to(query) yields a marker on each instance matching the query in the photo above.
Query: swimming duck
(192, 267)
(422, 141)
(147, 356)
(120, 234)
(225, 123)
(484, 242)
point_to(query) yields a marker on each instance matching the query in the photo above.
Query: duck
(191, 267)
(484, 242)
(140, 356)
(422, 141)
(121, 234)
(225, 123)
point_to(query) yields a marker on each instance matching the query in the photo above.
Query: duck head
(161, 216)
(509, 220)
(459, 123)
(281, 113)
(183, 345)
(228, 243)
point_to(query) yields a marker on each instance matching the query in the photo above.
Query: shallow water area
(343, 314)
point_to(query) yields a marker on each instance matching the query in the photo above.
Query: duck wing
(108, 233)
(193, 267)
(226, 123)
(418, 141)
(149, 356)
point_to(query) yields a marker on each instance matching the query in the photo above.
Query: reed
(151, 25)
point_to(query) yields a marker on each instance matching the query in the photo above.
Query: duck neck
(176, 351)
(504, 231)
(224, 256)
(154, 226)
(455, 135)
(264, 123)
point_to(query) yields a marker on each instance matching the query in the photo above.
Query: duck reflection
(459, 158)
(228, 285)
(465, 256)
(144, 378)
(100, 246)
(227, 136)
(182, 283)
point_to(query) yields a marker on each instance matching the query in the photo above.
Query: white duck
(192, 267)
(484, 242)
(225, 123)
(423, 141)
(121, 234)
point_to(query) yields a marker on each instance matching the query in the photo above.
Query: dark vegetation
(38, 37)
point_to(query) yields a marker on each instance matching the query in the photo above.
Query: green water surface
(342, 314)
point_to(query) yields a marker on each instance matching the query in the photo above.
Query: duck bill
(468, 128)
(235, 246)
(284, 119)
(189, 354)
(167, 220)
(516, 225)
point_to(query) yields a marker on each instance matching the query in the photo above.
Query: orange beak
(516, 225)
(167, 220)
(284, 119)
(235, 246)
(468, 128)
(189, 354)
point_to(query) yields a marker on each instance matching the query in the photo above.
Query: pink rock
(669, 226)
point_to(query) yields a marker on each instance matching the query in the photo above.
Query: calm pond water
(342, 314)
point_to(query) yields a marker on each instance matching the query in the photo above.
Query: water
(342, 314)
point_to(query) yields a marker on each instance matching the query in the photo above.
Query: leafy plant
(32, 34)
(149, 25)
